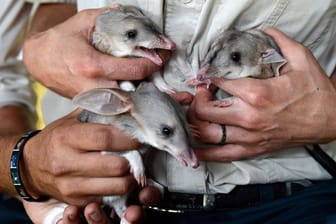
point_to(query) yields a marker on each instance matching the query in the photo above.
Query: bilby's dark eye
(131, 34)
(167, 131)
(235, 56)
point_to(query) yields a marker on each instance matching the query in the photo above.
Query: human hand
(148, 196)
(66, 154)
(293, 109)
(63, 59)
(93, 213)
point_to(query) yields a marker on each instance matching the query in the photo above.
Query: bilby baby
(148, 115)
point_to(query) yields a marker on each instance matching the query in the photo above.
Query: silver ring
(223, 139)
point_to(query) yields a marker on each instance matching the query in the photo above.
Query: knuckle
(259, 151)
(199, 110)
(258, 97)
(85, 66)
(103, 138)
(128, 185)
(254, 140)
(55, 159)
(124, 186)
(56, 168)
(58, 137)
(139, 71)
(67, 190)
(252, 121)
(304, 49)
(308, 52)
(121, 167)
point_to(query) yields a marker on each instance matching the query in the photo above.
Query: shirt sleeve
(51, 1)
(15, 85)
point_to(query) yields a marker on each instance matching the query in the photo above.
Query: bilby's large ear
(104, 101)
(273, 57)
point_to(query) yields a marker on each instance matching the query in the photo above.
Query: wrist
(7, 143)
(19, 174)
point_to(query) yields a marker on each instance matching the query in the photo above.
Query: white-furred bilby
(148, 115)
(125, 31)
(237, 54)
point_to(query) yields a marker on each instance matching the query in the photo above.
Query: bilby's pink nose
(189, 158)
(167, 43)
(201, 73)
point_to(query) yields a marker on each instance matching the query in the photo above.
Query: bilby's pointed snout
(189, 158)
(166, 43)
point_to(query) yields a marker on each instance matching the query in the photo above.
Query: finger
(213, 132)
(206, 111)
(203, 93)
(97, 186)
(71, 215)
(200, 125)
(204, 98)
(94, 164)
(285, 43)
(297, 60)
(150, 196)
(208, 132)
(128, 68)
(241, 110)
(94, 214)
(134, 214)
(236, 135)
(184, 98)
(90, 136)
(228, 152)
(98, 136)
(245, 88)
(73, 114)
(301, 59)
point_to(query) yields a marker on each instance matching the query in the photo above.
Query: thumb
(203, 94)
(150, 195)
(286, 44)
(183, 98)
(74, 113)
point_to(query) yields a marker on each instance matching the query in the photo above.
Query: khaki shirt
(192, 24)
(15, 85)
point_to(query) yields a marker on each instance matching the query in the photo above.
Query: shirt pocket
(307, 21)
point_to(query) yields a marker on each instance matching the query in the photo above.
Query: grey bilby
(148, 115)
(125, 31)
(237, 54)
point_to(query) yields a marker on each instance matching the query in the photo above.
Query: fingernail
(114, 5)
(96, 216)
(71, 217)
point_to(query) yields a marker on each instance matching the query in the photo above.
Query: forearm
(6, 146)
(15, 120)
(49, 15)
